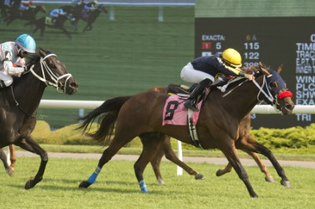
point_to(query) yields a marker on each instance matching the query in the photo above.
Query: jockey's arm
(227, 70)
(9, 66)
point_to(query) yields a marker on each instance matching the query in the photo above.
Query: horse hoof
(10, 171)
(255, 197)
(219, 172)
(30, 184)
(160, 182)
(199, 176)
(286, 183)
(269, 179)
(84, 184)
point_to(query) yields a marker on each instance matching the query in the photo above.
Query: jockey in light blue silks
(56, 13)
(12, 58)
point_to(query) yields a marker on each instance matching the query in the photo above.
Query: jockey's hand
(250, 77)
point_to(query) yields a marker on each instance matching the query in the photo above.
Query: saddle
(174, 112)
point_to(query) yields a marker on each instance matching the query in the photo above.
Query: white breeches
(7, 79)
(189, 74)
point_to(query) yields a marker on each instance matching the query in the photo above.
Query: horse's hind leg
(225, 170)
(156, 162)
(253, 146)
(151, 145)
(152, 148)
(66, 32)
(170, 155)
(262, 167)
(118, 142)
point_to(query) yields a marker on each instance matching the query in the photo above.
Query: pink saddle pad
(174, 112)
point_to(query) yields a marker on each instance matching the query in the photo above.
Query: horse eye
(274, 84)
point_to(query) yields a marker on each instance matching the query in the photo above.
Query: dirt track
(214, 161)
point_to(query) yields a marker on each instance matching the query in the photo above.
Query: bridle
(55, 79)
(268, 95)
(44, 68)
(265, 90)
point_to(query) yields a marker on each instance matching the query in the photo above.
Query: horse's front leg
(4, 160)
(12, 157)
(29, 144)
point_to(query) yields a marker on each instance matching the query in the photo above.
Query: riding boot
(194, 97)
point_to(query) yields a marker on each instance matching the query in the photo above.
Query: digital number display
(275, 41)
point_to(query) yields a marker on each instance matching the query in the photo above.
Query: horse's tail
(109, 112)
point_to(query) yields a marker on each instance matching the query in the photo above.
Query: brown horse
(18, 104)
(217, 127)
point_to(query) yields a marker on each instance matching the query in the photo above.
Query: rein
(44, 67)
(266, 93)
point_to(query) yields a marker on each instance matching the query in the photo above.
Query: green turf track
(117, 188)
(122, 57)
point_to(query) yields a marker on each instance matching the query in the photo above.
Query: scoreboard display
(275, 41)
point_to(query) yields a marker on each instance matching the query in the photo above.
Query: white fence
(83, 104)
(79, 104)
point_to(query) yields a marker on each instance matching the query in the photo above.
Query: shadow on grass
(73, 186)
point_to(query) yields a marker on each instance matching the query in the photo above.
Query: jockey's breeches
(191, 75)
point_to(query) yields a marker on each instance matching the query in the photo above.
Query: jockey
(12, 57)
(204, 70)
(91, 6)
(8, 3)
(26, 5)
(55, 13)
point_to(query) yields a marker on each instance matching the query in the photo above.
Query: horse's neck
(28, 93)
(242, 100)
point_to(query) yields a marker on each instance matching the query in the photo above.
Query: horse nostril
(73, 85)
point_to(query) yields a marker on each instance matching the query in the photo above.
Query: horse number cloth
(174, 112)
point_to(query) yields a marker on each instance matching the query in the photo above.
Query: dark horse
(90, 17)
(217, 127)
(18, 104)
(43, 22)
(27, 15)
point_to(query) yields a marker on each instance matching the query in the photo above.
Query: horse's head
(102, 8)
(277, 87)
(52, 72)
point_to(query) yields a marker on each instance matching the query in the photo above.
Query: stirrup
(189, 105)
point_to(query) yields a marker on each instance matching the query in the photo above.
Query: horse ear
(263, 69)
(280, 68)
(42, 52)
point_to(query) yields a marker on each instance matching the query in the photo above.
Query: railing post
(180, 157)
(81, 113)
(161, 14)
(111, 13)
